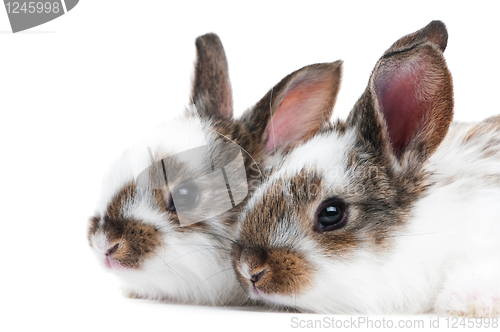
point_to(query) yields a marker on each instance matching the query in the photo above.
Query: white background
(75, 91)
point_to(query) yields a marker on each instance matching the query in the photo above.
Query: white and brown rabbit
(138, 231)
(394, 211)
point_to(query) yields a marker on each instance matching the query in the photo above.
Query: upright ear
(408, 105)
(294, 110)
(211, 95)
(435, 33)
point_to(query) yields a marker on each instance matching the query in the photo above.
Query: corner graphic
(25, 15)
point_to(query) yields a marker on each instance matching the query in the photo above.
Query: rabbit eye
(331, 215)
(184, 196)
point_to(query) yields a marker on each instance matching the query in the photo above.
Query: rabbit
(392, 211)
(166, 236)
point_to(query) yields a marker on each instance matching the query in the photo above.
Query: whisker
(213, 275)
(171, 268)
(194, 251)
(420, 234)
(137, 261)
(164, 253)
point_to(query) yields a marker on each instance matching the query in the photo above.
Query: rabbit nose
(112, 250)
(258, 276)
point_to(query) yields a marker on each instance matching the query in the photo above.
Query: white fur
(446, 260)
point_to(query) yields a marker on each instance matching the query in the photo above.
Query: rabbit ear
(408, 104)
(294, 110)
(435, 32)
(212, 93)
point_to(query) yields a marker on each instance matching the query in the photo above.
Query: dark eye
(331, 215)
(184, 196)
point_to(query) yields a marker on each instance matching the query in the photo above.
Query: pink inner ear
(402, 99)
(299, 114)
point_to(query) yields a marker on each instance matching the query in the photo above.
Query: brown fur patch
(285, 272)
(115, 207)
(136, 240)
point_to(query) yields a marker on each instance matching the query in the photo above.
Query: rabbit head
(169, 206)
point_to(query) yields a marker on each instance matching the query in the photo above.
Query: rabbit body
(461, 221)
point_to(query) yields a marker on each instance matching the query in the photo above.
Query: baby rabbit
(393, 211)
(168, 208)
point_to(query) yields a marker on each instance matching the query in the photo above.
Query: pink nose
(112, 250)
